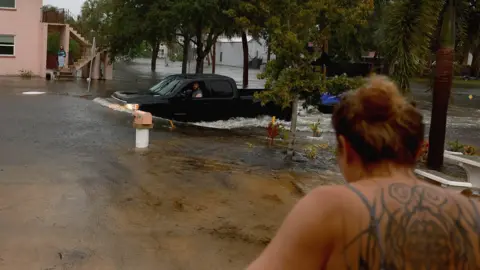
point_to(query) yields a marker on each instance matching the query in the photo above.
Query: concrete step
(79, 36)
(65, 78)
(65, 71)
(71, 77)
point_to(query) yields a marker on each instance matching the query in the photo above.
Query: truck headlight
(132, 107)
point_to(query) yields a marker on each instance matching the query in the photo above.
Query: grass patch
(457, 83)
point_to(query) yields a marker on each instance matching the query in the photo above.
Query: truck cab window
(221, 89)
(166, 86)
(198, 90)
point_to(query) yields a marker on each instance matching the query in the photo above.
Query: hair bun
(380, 124)
(380, 100)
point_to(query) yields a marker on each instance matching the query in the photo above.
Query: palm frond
(409, 29)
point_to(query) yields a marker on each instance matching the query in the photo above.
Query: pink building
(23, 38)
(24, 29)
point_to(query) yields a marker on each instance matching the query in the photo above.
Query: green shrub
(284, 132)
(311, 151)
(315, 127)
(335, 86)
(456, 146)
(340, 84)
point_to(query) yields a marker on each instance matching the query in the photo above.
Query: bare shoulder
(306, 237)
(329, 198)
(327, 204)
(319, 212)
(333, 193)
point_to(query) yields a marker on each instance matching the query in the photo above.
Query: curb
(105, 103)
(116, 107)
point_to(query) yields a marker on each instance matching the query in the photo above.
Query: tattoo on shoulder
(419, 228)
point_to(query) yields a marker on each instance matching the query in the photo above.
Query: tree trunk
(155, 49)
(200, 53)
(199, 64)
(475, 68)
(214, 57)
(465, 53)
(186, 48)
(269, 53)
(293, 129)
(441, 89)
(245, 59)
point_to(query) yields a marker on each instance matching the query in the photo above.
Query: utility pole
(91, 64)
(214, 57)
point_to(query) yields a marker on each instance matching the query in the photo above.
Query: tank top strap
(374, 221)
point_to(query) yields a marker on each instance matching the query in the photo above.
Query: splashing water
(305, 118)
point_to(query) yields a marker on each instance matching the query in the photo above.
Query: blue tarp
(329, 100)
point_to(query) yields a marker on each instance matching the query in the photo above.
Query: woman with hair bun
(384, 217)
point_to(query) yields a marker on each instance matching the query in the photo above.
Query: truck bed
(245, 92)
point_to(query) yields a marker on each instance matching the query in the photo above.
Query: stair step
(65, 73)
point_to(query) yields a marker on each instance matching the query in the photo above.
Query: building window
(7, 3)
(7, 45)
(221, 56)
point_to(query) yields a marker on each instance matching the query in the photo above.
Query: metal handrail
(55, 15)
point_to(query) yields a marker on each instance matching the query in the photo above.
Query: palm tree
(412, 30)
(441, 88)
(410, 25)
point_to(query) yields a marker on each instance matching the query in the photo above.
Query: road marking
(33, 93)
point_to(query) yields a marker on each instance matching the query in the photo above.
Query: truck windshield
(166, 86)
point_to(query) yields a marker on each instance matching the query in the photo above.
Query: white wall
(231, 53)
(165, 51)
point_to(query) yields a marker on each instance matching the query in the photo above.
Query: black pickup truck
(172, 99)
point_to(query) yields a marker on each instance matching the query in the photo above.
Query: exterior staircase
(78, 37)
(70, 72)
(87, 56)
(57, 19)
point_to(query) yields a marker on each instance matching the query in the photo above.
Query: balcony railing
(56, 15)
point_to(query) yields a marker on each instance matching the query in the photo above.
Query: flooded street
(75, 194)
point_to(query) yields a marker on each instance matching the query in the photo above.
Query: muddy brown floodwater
(199, 212)
(74, 194)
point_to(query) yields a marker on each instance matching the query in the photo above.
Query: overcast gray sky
(73, 5)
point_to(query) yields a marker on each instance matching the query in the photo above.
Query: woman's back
(407, 224)
(385, 218)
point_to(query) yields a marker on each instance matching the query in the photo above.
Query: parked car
(172, 99)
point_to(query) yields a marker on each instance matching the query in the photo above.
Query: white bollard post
(142, 123)
(141, 138)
